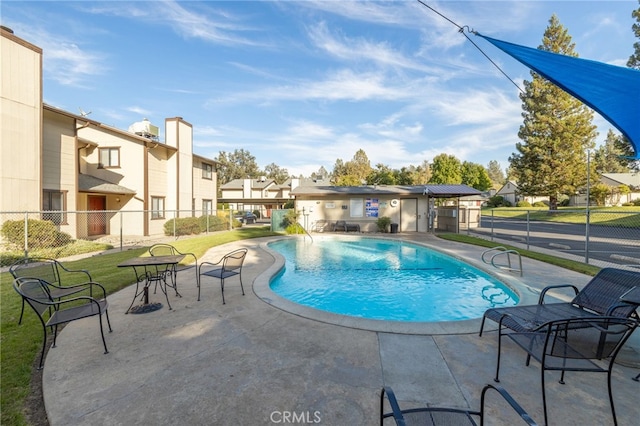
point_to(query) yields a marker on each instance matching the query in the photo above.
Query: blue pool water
(385, 280)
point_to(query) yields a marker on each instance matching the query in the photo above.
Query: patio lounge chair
(340, 225)
(228, 266)
(37, 294)
(587, 344)
(54, 273)
(443, 416)
(601, 296)
(169, 250)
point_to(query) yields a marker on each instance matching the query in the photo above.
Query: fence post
(121, 213)
(468, 221)
(586, 235)
(175, 219)
(491, 224)
(528, 222)
(26, 234)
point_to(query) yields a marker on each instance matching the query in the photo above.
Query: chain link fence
(58, 234)
(599, 237)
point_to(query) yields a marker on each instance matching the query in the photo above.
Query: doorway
(408, 215)
(97, 217)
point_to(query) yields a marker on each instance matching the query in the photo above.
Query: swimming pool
(384, 279)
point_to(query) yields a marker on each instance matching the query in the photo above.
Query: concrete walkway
(250, 362)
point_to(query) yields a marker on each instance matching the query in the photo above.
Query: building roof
(88, 183)
(255, 184)
(435, 191)
(629, 179)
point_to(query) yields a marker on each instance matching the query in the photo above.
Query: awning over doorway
(88, 183)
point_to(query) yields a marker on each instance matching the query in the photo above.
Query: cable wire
(461, 30)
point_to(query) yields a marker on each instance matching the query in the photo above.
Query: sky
(304, 83)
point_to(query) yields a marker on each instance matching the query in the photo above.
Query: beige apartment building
(57, 161)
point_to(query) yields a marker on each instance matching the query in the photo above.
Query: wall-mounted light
(117, 199)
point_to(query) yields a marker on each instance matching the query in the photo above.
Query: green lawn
(20, 344)
(610, 216)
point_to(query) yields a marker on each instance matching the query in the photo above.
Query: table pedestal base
(145, 309)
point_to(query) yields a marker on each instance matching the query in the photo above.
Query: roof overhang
(433, 191)
(88, 183)
(262, 201)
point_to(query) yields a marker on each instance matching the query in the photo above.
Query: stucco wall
(362, 210)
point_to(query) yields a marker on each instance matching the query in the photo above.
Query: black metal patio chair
(54, 273)
(601, 296)
(432, 416)
(228, 266)
(169, 250)
(587, 344)
(37, 293)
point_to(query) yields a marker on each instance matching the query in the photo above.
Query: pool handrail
(501, 251)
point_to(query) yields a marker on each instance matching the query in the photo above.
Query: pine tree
(634, 60)
(495, 174)
(609, 158)
(556, 131)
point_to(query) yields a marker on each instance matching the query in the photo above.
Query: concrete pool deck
(252, 362)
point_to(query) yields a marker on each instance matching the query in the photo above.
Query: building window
(54, 201)
(207, 207)
(207, 171)
(157, 207)
(109, 157)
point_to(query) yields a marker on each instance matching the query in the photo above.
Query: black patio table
(148, 270)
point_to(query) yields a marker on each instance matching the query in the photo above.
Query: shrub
(257, 213)
(183, 226)
(383, 223)
(212, 223)
(41, 234)
(636, 202)
(523, 203)
(290, 218)
(294, 228)
(498, 201)
(542, 203)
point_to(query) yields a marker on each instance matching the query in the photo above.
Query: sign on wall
(371, 207)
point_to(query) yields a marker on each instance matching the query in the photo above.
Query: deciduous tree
(446, 169)
(239, 164)
(354, 172)
(475, 176)
(277, 173)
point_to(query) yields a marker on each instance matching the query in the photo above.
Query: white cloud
(138, 110)
(204, 22)
(64, 60)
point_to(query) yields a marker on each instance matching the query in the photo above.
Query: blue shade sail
(614, 92)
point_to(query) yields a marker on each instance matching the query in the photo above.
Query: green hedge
(41, 234)
(183, 226)
(214, 223)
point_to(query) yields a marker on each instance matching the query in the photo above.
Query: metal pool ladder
(502, 251)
